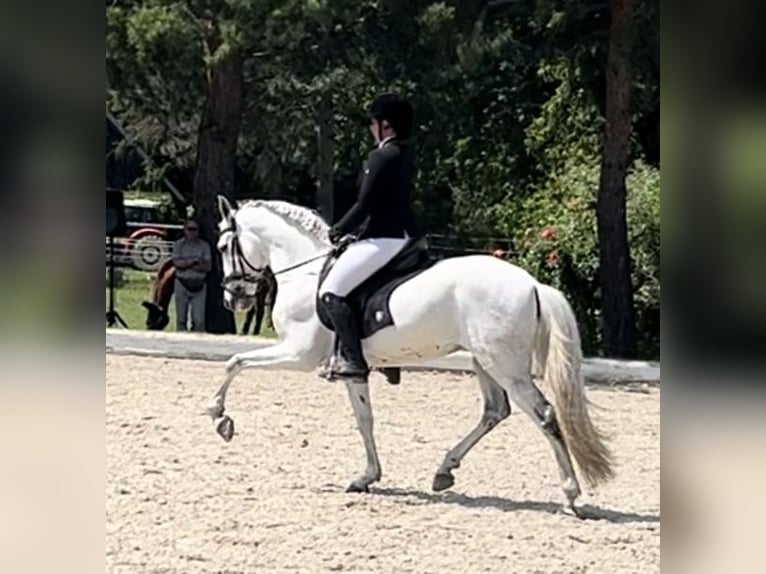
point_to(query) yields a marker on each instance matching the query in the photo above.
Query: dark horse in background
(157, 317)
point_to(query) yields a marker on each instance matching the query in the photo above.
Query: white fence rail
(221, 347)
(147, 253)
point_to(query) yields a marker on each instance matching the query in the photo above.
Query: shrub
(555, 239)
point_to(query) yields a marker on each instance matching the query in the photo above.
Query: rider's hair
(397, 111)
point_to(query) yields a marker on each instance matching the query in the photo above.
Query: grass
(136, 287)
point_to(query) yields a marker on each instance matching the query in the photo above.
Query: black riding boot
(349, 359)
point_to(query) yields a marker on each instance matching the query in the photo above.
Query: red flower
(553, 259)
(548, 232)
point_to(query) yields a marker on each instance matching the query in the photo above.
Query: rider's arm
(373, 185)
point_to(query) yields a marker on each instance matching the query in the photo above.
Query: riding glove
(335, 235)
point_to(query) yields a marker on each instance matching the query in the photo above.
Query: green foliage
(644, 239)
(556, 241)
(155, 82)
(567, 127)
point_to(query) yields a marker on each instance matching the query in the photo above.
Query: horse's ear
(224, 208)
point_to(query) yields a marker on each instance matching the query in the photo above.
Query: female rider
(383, 220)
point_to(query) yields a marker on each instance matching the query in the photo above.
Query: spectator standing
(193, 261)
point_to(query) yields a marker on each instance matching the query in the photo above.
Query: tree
(171, 67)
(615, 266)
(217, 149)
(593, 42)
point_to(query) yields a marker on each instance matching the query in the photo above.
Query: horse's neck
(164, 290)
(283, 255)
(286, 245)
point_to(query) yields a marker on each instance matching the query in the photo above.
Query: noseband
(241, 266)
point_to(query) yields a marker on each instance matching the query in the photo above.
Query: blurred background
(512, 99)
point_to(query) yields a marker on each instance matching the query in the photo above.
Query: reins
(238, 255)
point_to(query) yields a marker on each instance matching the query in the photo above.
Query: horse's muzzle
(241, 302)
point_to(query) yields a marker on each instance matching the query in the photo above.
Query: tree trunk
(616, 287)
(325, 160)
(215, 166)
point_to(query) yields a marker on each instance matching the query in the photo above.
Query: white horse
(511, 324)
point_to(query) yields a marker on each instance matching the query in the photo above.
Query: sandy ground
(181, 500)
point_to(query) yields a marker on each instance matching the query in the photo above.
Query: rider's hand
(335, 236)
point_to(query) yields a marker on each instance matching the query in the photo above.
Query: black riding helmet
(396, 111)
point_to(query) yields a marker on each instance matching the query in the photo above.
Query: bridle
(241, 267)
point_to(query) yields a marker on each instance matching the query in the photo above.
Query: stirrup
(348, 370)
(328, 373)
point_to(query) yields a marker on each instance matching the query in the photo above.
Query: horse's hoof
(571, 491)
(571, 510)
(358, 487)
(442, 481)
(225, 427)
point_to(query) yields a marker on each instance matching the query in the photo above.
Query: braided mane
(303, 218)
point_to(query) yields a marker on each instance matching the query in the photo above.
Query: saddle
(370, 300)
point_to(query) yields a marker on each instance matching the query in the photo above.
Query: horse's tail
(557, 359)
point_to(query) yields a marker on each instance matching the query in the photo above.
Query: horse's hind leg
(532, 401)
(496, 408)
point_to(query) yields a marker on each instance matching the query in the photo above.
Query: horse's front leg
(285, 355)
(359, 393)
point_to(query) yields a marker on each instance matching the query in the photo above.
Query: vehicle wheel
(149, 252)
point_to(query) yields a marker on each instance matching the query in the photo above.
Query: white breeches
(358, 263)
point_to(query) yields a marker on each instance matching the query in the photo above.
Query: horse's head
(156, 317)
(243, 258)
